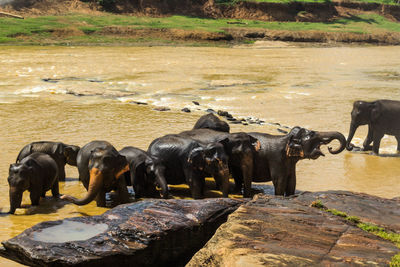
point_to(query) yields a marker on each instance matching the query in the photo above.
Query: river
(79, 94)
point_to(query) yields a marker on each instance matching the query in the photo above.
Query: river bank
(203, 23)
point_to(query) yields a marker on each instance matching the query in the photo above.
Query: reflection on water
(69, 231)
(76, 95)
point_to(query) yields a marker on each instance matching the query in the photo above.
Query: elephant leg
(377, 141)
(122, 191)
(218, 181)
(291, 184)
(224, 184)
(84, 177)
(101, 198)
(279, 179)
(237, 175)
(55, 190)
(195, 181)
(247, 172)
(367, 142)
(61, 171)
(35, 197)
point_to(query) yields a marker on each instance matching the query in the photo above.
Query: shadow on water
(47, 205)
(385, 155)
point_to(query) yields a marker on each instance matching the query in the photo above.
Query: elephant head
(360, 115)
(19, 180)
(210, 121)
(305, 143)
(216, 158)
(70, 153)
(242, 145)
(106, 167)
(144, 179)
(210, 158)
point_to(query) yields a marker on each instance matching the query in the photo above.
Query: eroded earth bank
(325, 13)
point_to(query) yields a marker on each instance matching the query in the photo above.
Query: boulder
(370, 209)
(279, 231)
(145, 233)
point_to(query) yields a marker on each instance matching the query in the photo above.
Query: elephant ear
(122, 166)
(58, 149)
(224, 142)
(30, 164)
(13, 167)
(149, 164)
(255, 143)
(375, 112)
(294, 147)
(68, 150)
(196, 158)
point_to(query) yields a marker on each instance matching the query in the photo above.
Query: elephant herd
(208, 150)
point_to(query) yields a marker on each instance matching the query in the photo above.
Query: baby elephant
(36, 173)
(141, 175)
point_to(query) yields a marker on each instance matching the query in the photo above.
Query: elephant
(36, 173)
(239, 147)
(278, 154)
(101, 170)
(180, 160)
(382, 117)
(210, 121)
(142, 175)
(60, 152)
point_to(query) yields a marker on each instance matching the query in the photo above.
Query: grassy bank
(92, 29)
(232, 2)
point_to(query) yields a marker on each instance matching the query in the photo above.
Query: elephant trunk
(353, 128)
(15, 199)
(95, 183)
(327, 137)
(162, 183)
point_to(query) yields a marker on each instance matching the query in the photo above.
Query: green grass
(381, 232)
(33, 30)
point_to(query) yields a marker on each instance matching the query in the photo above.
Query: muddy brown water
(79, 94)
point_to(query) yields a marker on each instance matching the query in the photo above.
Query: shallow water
(79, 94)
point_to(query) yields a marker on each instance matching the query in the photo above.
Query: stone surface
(277, 231)
(145, 233)
(370, 209)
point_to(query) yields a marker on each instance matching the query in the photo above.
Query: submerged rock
(278, 231)
(146, 233)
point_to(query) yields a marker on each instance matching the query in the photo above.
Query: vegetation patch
(83, 28)
(368, 227)
(234, 2)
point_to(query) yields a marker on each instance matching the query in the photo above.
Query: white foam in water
(225, 98)
(35, 89)
(69, 231)
(299, 93)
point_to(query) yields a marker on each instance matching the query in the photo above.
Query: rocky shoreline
(268, 230)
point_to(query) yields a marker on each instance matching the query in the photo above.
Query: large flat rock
(380, 211)
(278, 231)
(146, 233)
